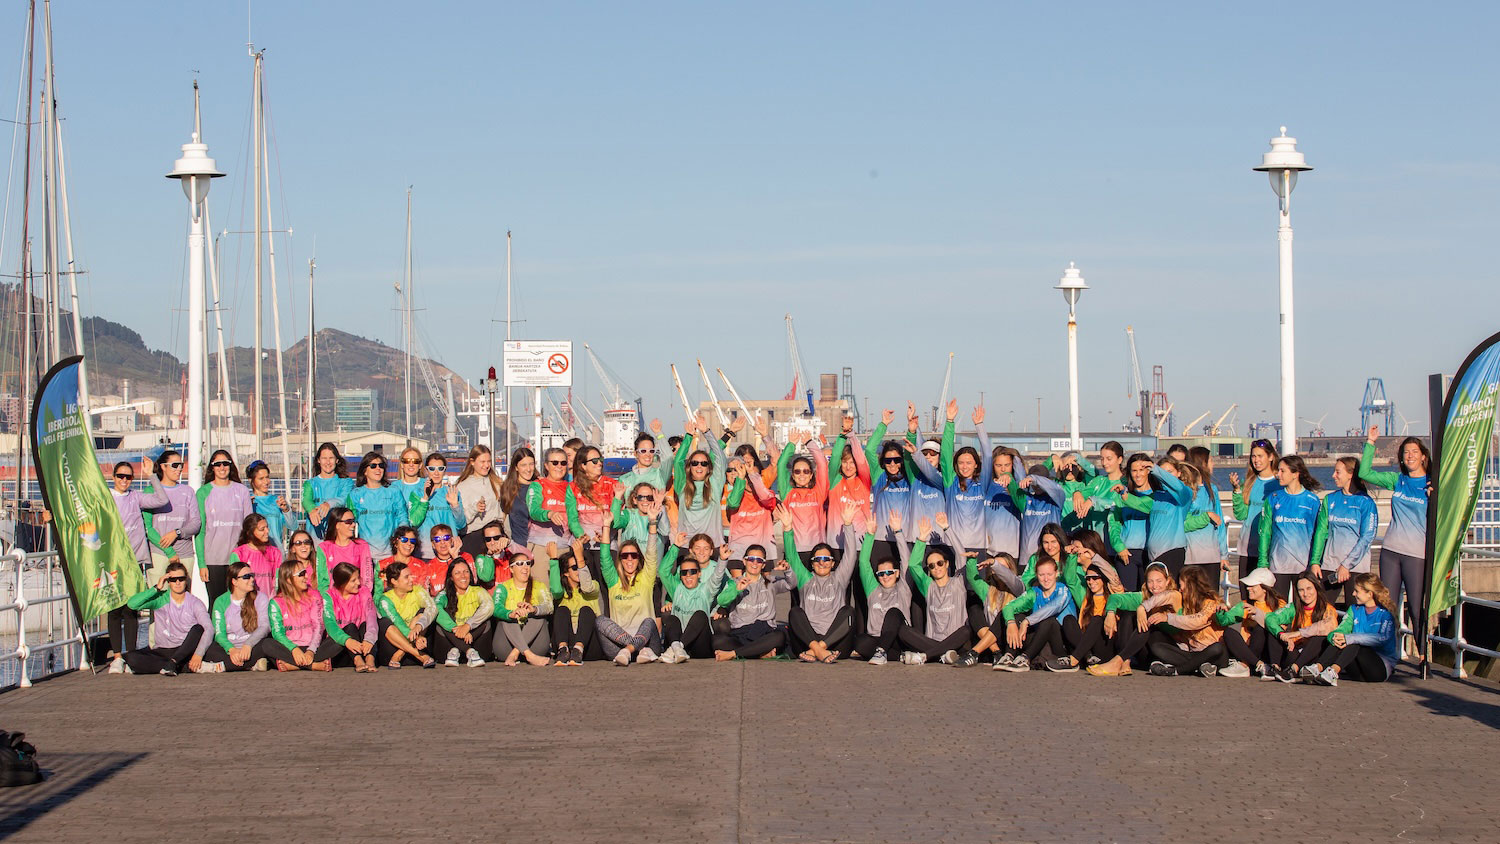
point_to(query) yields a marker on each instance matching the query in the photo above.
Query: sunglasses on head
(687, 572)
(630, 555)
(178, 578)
(1261, 444)
(125, 476)
(221, 464)
(443, 537)
(699, 463)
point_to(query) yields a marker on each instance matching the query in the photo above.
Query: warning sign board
(538, 363)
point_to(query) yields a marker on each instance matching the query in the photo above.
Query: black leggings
(124, 628)
(1187, 662)
(446, 640)
(837, 637)
(218, 582)
(1173, 559)
(1130, 573)
(865, 645)
(1047, 633)
(384, 650)
(1128, 642)
(979, 620)
(326, 650)
(1089, 639)
(1403, 575)
(218, 654)
(565, 634)
(1306, 652)
(958, 640)
(751, 641)
(156, 660)
(1356, 662)
(1260, 647)
(697, 636)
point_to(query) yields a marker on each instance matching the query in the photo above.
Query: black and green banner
(100, 567)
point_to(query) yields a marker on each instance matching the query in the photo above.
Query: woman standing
(123, 622)
(223, 504)
(479, 488)
(576, 607)
(1248, 500)
(749, 505)
(698, 481)
(297, 641)
(241, 621)
(1166, 534)
(524, 607)
(1206, 547)
(512, 498)
(591, 495)
(1403, 551)
(464, 611)
(409, 481)
(1295, 525)
(329, 488)
(850, 485)
(273, 507)
(964, 474)
(802, 489)
(405, 614)
(179, 622)
(1352, 523)
(379, 508)
(1002, 518)
(547, 504)
(349, 618)
(254, 548)
(890, 492)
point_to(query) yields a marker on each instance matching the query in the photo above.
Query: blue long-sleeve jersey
(891, 492)
(1208, 544)
(1002, 518)
(928, 498)
(1044, 502)
(1352, 523)
(378, 512)
(1295, 533)
(1168, 507)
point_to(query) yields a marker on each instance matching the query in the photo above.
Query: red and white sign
(538, 363)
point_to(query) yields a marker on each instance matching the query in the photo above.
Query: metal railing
(1457, 642)
(47, 637)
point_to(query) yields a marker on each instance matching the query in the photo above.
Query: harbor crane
(943, 393)
(1317, 426)
(1135, 387)
(613, 395)
(1375, 404)
(1213, 430)
(1188, 428)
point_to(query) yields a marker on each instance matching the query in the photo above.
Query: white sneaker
(260, 665)
(622, 658)
(878, 658)
(474, 659)
(673, 654)
(211, 668)
(646, 655)
(913, 658)
(452, 660)
(117, 665)
(949, 658)
(1235, 668)
(682, 654)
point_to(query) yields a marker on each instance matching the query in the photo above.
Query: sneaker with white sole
(1018, 664)
(879, 657)
(452, 660)
(1061, 665)
(260, 664)
(913, 658)
(682, 654)
(1329, 677)
(949, 658)
(117, 665)
(1162, 669)
(622, 658)
(211, 668)
(967, 659)
(1235, 668)
(669, 656)
(474, 659)
(1000, 661)
(1309, 673)
(646, 655)
(1208, 669)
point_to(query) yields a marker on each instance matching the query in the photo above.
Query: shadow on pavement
(68, 776)
(1440, 702)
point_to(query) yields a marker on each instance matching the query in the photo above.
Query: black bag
(17, 761)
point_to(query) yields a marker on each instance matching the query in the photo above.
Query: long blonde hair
(468, 470)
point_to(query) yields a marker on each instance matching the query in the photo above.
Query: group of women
(1062, 565)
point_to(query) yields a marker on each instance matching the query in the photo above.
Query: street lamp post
(195, 170)
(491, 385)
(1282, 163)
(1072, 286)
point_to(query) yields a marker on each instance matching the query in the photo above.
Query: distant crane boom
(712, 396)
(947, 382)
(798, 375)
(1188, 428)
(1162, 417)
(1214, 432)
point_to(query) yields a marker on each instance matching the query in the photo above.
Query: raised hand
(850, 510)
(924, 528)
(656, 427)
(1234, 479)
(725, 551)
(848, 426)
(1373, 435)
(942, 520)
(737, 424)
(783, 516)
(978, 415)
(894, 520)
(952, 409)
(887, 416)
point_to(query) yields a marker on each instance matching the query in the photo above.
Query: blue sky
(907, 180)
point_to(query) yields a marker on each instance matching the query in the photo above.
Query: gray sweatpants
(612, 637)
(530, 636)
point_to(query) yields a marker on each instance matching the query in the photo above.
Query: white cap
(931, 445)
(1261, 577)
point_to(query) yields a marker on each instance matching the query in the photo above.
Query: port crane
(1135, 387)
(1213, 430)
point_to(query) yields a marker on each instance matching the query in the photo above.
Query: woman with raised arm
(1363, 646)
(996, 582)
(445, 506)
(887, 595)
(650, 467)
(690, 588)
(223, 504)
(1134, 479)
(748, 505)
(849, 485)
(329, 488)
(699, 485)
(1168, 504)
(123, 622)
(379, 508)
(751, 598)
(1295, 527)
(927, 488)
(297, 641)
(802, 489)
(1253, 647)
(479, 489)
(576, 606)
(523, 607)
(591, 497)
(1352, 524)
(822, 627)
(350, 619)
(1302, 626)
(179, 622)
(406, 611)
(1403, 551)
(629, 629)
(637, 512)
(241, 620)
(464, 611)
(964, 473)
(1246, 501)
(1094, 506)
(890, 491)
(254, 548)
(1084, 633)
(273, 507)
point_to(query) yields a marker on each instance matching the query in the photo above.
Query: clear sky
(905, 179)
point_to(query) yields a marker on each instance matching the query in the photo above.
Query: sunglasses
(220, 464)
(698, 463)
(495, 538)
(244, 577)
(374, 467)
(443, 537)
(296, 542)
(886, 573)
(644, 450)
(1093, 577)
(348, 521)
(755, 559)
(436, 468)
(629, 555)
(571, 568)
(890, 461)
(406, 540)
(557, 462)
(177, 465)
(822, 558)
(302, 574)
(645, 497)
(410, 462)
(124, 476)
(802, 471)
(594, 460)
(519, 561)
(177, 579)
(689, 572)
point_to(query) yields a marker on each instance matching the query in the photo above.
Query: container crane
(1375, 403)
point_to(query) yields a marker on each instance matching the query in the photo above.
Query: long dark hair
(1052, 529)
(247, 531)
(335, 517)
(249, 618)
(372, 459)
(1151, 482)
(164, 458)
(1200, 457)
(450, 591)
(1321, 607)
(631, 543)
(888, 447)
(690, 487)
(1356, 486)
(1304, 477)
(341, 574)
(512, 486)
(340, 464)
(963, 482)
(312, 546)
(581, 480)
(1196, 590)
(208, 468)
(1421, 446)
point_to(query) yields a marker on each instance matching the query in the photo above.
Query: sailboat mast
(508, 448)
(25, 348)
(286, 463)
(226, 393)
(312, 363)
(259, 131)
(67, 227)
(406, 290)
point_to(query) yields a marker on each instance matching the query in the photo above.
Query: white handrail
(71, 637)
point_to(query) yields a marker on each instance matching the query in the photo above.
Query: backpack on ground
(17, 761)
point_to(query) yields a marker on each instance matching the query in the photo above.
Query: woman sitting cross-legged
(689, 590)
(629, 629)
(1253, 648)
(1092, 644)
(350, 619)
(464, 611)
(241, 622)
(823, 626)
(1041, 609)
(1303, 625)
(576, 607)
(406, 611)
(1128, 617)
(297, 641)
(180, 624)
(997, 583)
(947, 629)
(1363, 646)
(1196, 640)
(522, 605)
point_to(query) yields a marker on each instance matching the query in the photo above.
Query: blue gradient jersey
(317, 491)
(378, 511)
(1002, 518)
(1293, 531)
(1168, 507)
(1407, 533)
(266, 505)
(928, 498)
(1210, 543)
(1352, 522)
(965, 503)
(1040, 505)
(1248, 513)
